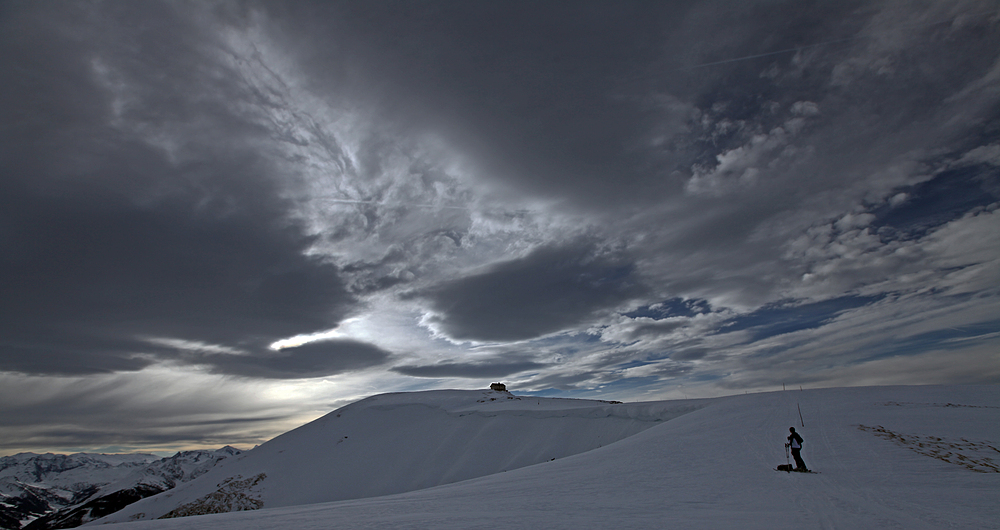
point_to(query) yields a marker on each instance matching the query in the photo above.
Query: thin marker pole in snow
(800, 414)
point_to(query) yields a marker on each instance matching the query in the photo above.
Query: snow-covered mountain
(32, 484)
(903, 457)
(41, 492)
(154, 478)
(402, 442)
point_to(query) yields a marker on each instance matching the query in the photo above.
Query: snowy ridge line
(649, 414)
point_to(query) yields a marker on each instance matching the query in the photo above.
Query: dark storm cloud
(550, 289)
(540, 94)
(138, 205)
(563, 102)
(600, 107)
(92, 279)
(472, 370)
(315, 359)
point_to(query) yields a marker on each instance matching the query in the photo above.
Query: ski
(792, 470)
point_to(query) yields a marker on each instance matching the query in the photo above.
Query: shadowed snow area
(903, 457)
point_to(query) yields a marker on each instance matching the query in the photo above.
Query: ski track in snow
(711, 467)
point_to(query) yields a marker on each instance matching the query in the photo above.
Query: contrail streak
(748, 57)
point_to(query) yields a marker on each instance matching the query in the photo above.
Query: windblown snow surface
(888, 457)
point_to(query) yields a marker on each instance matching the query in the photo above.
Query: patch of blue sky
(944, 198)
(781, 318)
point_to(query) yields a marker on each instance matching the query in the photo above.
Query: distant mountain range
(40, 492)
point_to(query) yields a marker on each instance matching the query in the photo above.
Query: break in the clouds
(314, 201)
(484, 369)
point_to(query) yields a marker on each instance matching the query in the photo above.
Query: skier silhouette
(795, 442)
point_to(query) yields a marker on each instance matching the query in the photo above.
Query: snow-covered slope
(895, 457)
(401, 442)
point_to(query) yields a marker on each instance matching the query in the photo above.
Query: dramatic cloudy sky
(219, 220)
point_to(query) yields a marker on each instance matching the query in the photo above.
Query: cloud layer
(645, 199)
(548, 290)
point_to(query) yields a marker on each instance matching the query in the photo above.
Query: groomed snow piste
(902, 457)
